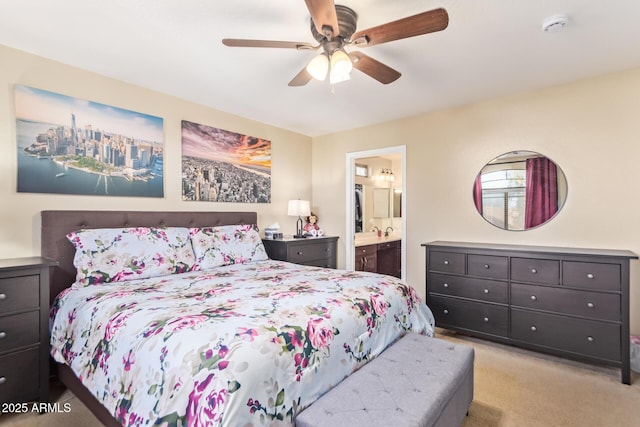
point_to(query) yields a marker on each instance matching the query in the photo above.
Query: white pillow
(119, 254)
(227, 244)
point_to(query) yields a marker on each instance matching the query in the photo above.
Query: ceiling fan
(334, 28)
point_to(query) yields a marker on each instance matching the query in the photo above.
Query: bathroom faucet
(375, 228)
(386, 232)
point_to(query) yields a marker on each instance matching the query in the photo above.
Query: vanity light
(386, 175)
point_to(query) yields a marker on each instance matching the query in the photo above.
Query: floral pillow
(227, 244)
(120, 254)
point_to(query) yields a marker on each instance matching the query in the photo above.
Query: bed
(231, 339)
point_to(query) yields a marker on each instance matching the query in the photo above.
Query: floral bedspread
(245, 345)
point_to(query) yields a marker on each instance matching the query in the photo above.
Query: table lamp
(299, 208)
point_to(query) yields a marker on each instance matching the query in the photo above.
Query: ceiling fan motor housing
(347, 20)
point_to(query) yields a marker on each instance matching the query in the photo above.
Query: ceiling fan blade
(324, 16)
(374, 68)
(416, 25)
(301, 79)
(267, 43)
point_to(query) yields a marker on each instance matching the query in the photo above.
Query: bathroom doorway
(379, 175)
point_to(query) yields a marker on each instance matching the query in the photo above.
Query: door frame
(350, 202)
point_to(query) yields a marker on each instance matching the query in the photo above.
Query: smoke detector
(554, 23)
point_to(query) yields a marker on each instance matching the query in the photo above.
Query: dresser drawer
(580, 303)
(326, 263)
(19, 293)
(301, 254)
(21, 375)
(366, 250)
(475, 316)
(467, 287)
(534, 270)
(494, 267)
(19, 330)
(587, 337)
(447, 262)
(394, 244)
(591, 275)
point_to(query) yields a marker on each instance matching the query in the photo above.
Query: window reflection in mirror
(520, 190)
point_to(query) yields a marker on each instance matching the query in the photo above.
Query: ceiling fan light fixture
(318, 67)
(341, 67)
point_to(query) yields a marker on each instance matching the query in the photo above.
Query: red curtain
(541, 191)
(477, 193)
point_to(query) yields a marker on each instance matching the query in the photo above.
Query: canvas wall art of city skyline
(68, 145)
(223, 166)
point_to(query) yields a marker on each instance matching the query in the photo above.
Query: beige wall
(19, 212)
(590, 128)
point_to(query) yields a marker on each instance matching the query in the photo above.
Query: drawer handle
(590, 276)
(534, 271)
(3, 296)
(486, 319)
(446, 262)
(533, 297)
(3, 380)
(533, 328)
(590, 305)
(3, 334)
(486, 291)
(446, 285)
(590, 338)
(445, 311)
(486, 266)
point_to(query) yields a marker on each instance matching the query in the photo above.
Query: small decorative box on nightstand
(316, 251)
(24, 330)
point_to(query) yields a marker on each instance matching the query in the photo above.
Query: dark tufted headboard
(57, 224)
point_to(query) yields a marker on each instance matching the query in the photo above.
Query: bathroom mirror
(381, 203)
(520, 190)
(397, 203)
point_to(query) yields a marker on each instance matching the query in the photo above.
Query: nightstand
(316, 251)
(24, 329)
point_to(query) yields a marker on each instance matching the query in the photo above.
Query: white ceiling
(491, 48)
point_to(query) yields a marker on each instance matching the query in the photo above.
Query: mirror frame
(517, 196)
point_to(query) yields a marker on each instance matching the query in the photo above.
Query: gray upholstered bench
(418, 381)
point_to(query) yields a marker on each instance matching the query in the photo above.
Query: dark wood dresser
(316, 251)
(24, 329)
(564, 301)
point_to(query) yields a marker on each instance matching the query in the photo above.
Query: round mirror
(519, 190)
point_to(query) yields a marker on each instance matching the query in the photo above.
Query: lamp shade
(318, 67)
(341, 67)
(299, 208)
